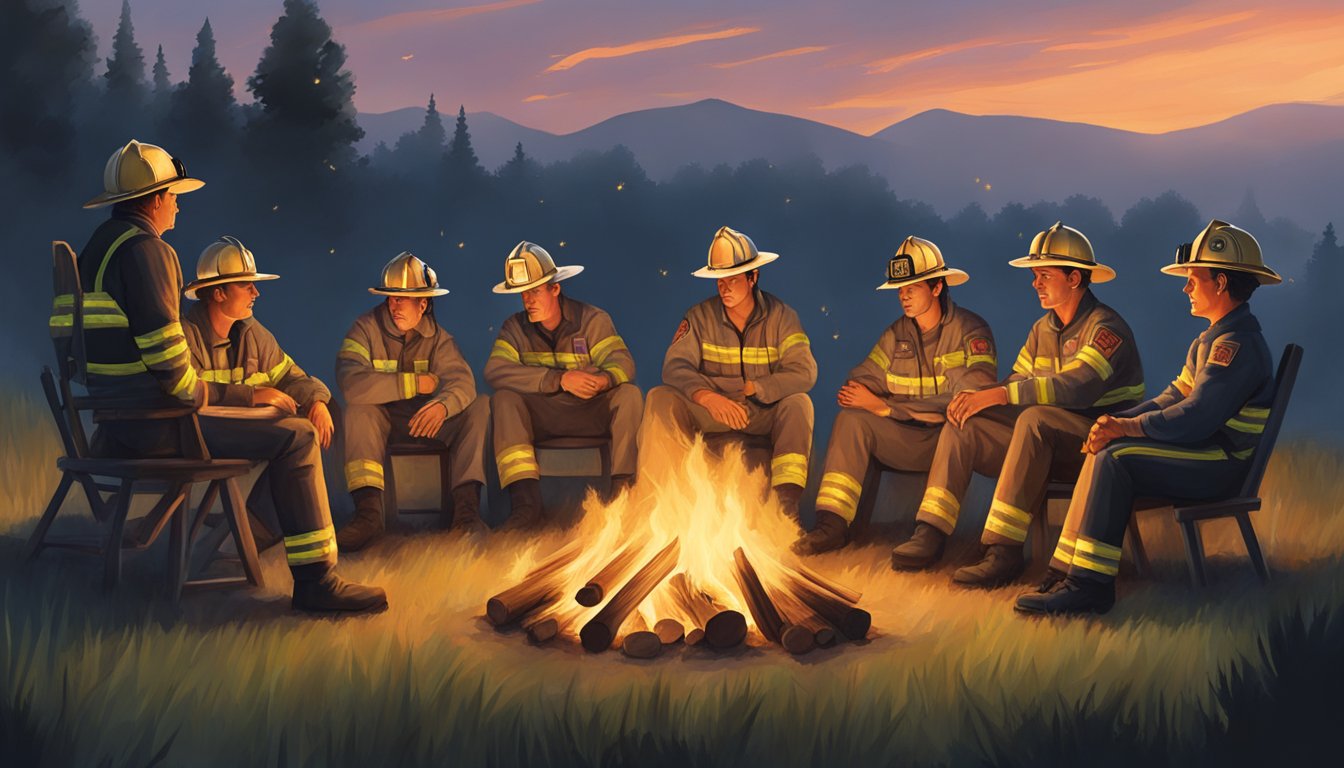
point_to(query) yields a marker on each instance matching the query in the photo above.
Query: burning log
(758, 600)
(840, 591)
(719, 626)
(642, 645)
(852, 622)
(669, 631)
(606, 579)
(697, 636)
(727, 629)
(539, 587)
(542, 630)
(598, 634)
(804, 630)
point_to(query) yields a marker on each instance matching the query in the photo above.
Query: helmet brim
(415, 293)
(179, 186)
(196, 285)
(561, 273)
(1100, 272)
(762, 258)
(952, 276)
(1264, 275)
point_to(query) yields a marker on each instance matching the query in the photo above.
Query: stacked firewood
(797, 608)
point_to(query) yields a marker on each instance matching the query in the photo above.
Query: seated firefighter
(229, 346)
(137, 349)
(1079, 361)
(894, 402)
(1193, 441)
(559, 369)
(740, 362)
(403, 378)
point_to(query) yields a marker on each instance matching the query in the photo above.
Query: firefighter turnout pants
(520, 420)
(859, 437)
(369, 428)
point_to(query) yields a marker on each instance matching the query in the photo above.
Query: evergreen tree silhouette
(203, 118)
(307, 126)
(461, 163)
(161, 96)
(125, 76)
(421, 149)
(1325, 269)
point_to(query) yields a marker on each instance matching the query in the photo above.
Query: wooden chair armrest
(1208, 510)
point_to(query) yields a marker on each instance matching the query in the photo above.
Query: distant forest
(283, 175)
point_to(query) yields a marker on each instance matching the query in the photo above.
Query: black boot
(366, 525)
(1073, 596)
(467, 510)
(923, 549)
(830, 532)
(1052, 579)
(1002, 563)
(317, 589)
(788, 495)
(525, 504)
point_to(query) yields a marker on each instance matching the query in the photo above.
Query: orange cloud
(659, 43)
(892, 63)
(544, 97)
(414, 19)
(776, 55)
(1164, 29)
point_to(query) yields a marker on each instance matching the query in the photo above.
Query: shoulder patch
(979, 345)
(682, 330)
(1223, 352)
(1106, 341)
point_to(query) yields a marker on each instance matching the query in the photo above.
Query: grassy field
(1235, 674)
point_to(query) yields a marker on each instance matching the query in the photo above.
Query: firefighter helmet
(732, 253)
(530, 265)
(224, 261)
(1061, 246)
(139, 169)
(1223, 246)
(408, 276)
(918, 260)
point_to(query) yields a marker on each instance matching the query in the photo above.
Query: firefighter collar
(569, 320)
(1085, 307)
(1239, 319)
(758, 311)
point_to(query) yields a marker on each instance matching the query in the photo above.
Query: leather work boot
(467, 510)
(331, 593)
(1052, 579)
(1002, 563)
(923, 549)
(524, 504)
(366, 525)
(830, 532)
(1070, 597)
(788, 495)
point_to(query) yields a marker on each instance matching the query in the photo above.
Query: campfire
(689, 556)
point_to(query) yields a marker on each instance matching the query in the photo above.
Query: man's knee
(478, 412)
(363, 417)
(663, 401)
(795, 407)
(626, 397)
(508, 402)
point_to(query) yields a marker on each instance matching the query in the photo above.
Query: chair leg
(604, 458)
(1142, 565)
(112, 550)
(35, 541)
(99, 506)
(445, 488)
(177, 556)
(389, 492)
(1253, 546)
(213, 538)
(1194, 552)
(235, 511)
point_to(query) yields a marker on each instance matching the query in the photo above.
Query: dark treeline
(283, 175)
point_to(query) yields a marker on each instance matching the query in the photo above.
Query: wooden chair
(391, 506)
(1189, 515)
(601, 444)
(169, 479)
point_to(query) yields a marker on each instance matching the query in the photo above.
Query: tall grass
(1223, 675)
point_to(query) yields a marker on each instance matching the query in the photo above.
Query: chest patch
(1070, 347)
(1106, 341)
(580, 345)
(1223, 353)
(682, 330)
(904, 349)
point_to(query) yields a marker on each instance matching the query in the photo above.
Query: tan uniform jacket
(708, 352)
(1090, 366)
(250, 357)
(378, 365)
(916, 372)
(530, 360)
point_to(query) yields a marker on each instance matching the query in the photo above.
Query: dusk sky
(561, 65)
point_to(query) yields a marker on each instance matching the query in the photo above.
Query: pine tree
(520, 170)
(461, 161)
(1325, 269)
(125, 74)
(203, 118)
(307, 123)
(163, 87)
(421, 149)
(1248, 215)
(432, 134)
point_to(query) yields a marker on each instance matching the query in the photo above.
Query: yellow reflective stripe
(420, 366)
(1010, 512)
(788, 458)
(835, 500)
(553, 359)
(1045, 391)
(844, 480)
(1243, 455)
(841, 496)
(760, 355)
(519, 470)
(986, 359)
(1242, 426)
(384, 366)
(1005, 528)
(257, 379)
(175, 351)
(185, 389)
(311, 537)
(879, 358)
(1186, 381)
(737, 355)
(1164, 452)
(222, 375)
(1014, 392)
(107, 257)
(605, 347)
(407, 386)
(505, 350)
(790, 341)
(116, 369)
(1098, 548)
(1023, 363)
(618, 373)
(156, 337)
(522, 451)
(915, 383)
(941, 503)
(1083, 561)
(1046, 364)
(63, 300)
(326, 552)
(1093, 357)
(363, 472)
(1064, 550)
(350, 345)
(1120, 395)
(1254, 413)
(951, 359)
(90, 321)
(280, 369)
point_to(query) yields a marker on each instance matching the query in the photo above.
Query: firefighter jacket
(708, 352)
(529, 359)
(1223, 393)
(134, 341)
(250, 357)
(1090, 366)
(377, 364)
(920, 372)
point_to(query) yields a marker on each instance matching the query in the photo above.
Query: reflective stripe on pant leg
(788, 468)
(311, 547)
(1063, 556)
(1096, 556)
(939, 508)
(1008, 521)
(517, 462)
(839, 493)
(363, 473)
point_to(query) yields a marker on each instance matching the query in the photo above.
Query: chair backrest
(1283, 389)
(70, 357)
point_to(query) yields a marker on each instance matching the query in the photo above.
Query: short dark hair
(1240, 285)
(136, 205)
(1086, 275)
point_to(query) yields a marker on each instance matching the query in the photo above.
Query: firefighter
(740, 362)
(136, 348)
(231, 347)
(894, 402)
(403, 378)
(1192, 441)
(559, 369)
(1079, 361)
